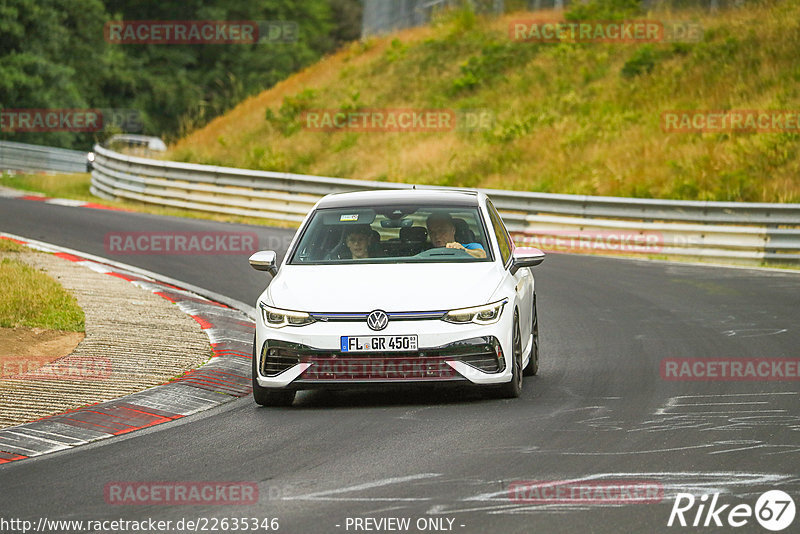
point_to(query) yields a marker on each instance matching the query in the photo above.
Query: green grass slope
(582, 118)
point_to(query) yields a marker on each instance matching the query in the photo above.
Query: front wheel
(513, 389)
(533, 362)
(269, 396)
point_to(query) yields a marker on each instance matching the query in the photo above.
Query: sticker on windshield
(349, 218)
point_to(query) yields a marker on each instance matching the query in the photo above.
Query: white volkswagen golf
(409, 286)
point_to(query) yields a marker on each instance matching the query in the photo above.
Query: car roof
(441, 197)
(153, 143)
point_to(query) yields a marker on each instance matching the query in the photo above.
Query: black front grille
(482, 353)
(367, 369)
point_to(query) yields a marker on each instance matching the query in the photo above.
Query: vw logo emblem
(377, 320)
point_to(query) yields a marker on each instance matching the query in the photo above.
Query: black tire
(269, 396)
(533, 362)
(513, 389)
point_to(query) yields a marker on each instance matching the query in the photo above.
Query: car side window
(503, 240)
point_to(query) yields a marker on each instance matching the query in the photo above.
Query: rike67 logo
(774, 510)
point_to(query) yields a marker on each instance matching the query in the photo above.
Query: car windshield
(392, 234)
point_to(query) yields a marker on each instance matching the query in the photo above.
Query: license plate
(378, 343)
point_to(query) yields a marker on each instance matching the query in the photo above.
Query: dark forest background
(53, 54)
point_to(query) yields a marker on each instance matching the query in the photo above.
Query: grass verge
(32, 299)
(6, 245)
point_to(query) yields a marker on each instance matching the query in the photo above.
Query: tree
(53, 54)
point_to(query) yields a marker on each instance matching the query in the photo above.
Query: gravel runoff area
(134, 340)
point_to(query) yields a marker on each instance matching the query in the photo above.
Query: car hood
(388, 287)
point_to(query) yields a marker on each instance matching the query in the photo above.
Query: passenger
(442, 233)
(357, 238)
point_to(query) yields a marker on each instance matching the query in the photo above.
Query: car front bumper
(310, 357)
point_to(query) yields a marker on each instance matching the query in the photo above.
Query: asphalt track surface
(598, 409)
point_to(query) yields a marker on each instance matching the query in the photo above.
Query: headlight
(487, 314)
(278, 318)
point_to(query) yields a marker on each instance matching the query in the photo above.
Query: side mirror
(265, 260)
(526, 257)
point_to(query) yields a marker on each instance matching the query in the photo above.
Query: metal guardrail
(35, 158)
(735, 231)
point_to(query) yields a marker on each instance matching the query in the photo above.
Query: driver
(357, 238)
(442, 233)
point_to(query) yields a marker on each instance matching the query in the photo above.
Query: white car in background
(366, 296)
(145, 146)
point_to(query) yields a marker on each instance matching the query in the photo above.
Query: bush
(287, 119)
(494, 59)
(604, 10)
(643, 61)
